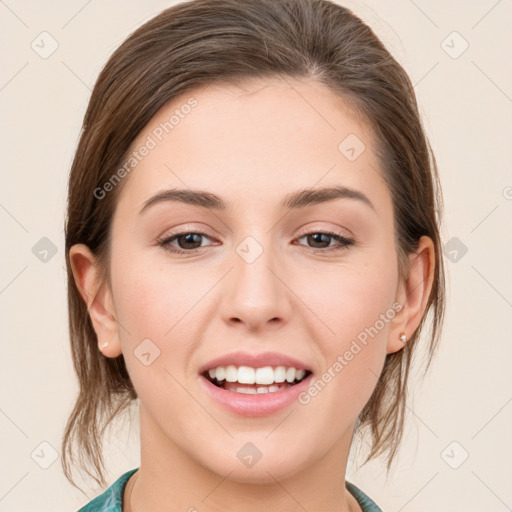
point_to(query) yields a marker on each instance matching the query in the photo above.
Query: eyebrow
(295, 200)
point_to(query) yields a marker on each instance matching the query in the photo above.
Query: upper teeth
(247, 375)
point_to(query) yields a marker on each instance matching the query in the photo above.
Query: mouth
(251, 380)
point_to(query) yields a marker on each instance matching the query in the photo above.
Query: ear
(412, 294)
(98, 298)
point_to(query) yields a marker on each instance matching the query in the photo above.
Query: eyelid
(322, 229)
(185, 228)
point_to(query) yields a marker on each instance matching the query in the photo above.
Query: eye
(190, 241)
(187, 242)
(325, 237)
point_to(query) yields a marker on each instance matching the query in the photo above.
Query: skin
(252, 146)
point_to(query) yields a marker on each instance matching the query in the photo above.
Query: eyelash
(343, 241)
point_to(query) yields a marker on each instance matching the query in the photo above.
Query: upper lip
(254, 360)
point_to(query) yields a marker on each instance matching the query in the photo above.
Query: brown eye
(321, 241)
(189, 240)
(186, 242)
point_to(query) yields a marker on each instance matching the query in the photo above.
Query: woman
(253, 247)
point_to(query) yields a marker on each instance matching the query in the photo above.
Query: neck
(169, 479)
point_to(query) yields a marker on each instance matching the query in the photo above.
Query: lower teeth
(252, 389)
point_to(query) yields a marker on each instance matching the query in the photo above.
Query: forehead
(254, 143)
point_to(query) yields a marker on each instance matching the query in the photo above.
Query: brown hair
(200, 42)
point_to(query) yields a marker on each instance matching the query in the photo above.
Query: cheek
(353, 308)
(151, 307)
(350, 337)
(349, 299)
(161, 303)
(152, 299)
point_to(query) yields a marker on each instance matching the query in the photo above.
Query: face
(255, 273)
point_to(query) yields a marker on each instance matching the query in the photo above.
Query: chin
(250, 467)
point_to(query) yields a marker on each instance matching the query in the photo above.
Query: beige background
(466, 101)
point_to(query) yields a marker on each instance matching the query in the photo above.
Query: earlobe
(413, 295)
(98, 298)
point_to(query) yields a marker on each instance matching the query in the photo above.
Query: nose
(255, 292)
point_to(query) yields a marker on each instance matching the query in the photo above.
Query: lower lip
(259, 404)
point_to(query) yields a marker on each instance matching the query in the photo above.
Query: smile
(249, 380)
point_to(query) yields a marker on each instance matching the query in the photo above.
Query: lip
(260, 404)
(254, 360)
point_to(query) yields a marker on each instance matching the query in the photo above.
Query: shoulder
(112, 499)
(366, 503)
